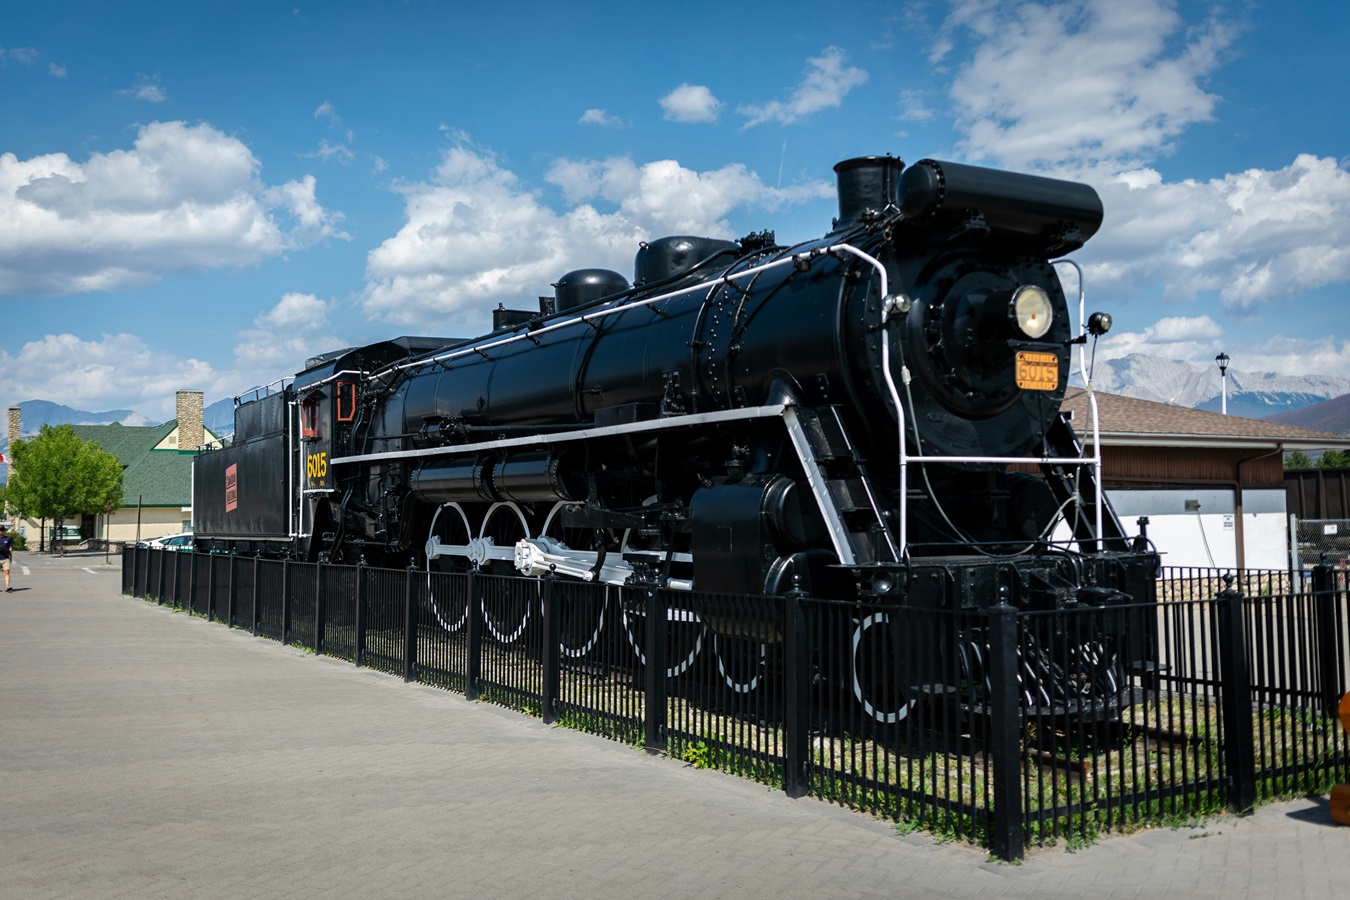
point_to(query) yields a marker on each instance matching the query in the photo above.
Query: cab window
(309, 418)
(346, 401)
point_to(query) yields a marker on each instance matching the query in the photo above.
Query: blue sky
(200, 196)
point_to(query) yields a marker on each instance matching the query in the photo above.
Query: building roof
(151, 477)
(1129, 421)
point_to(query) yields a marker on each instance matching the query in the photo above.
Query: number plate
(1037, 371)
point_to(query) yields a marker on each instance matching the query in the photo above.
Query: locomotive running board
(840, 536)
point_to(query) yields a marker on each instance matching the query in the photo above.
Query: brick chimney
(191, 431)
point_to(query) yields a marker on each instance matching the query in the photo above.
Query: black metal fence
(1001, 727)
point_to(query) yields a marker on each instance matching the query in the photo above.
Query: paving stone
(147, 753)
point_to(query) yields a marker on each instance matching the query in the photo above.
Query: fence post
(320, 608)
(192, 582)
(257, 591)
(552, 650)
(796, 689)
(474, 664)
(1005, 734)
(230, 605)
(173, 582)
(654, 711)
(1329, 678)
(409, 625)
(359, 654)
(160, 598)
(211, 587)
(1236, 687)
(286, 600)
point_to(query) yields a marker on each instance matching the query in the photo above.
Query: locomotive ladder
(839, 482)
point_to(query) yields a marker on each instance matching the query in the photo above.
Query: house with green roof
(156, 474)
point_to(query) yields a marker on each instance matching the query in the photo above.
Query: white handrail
(1093, 421)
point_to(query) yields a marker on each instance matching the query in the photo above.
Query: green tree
(1333, 459)
(1297, 460)
(57, 475)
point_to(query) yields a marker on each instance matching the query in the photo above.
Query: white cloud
(1186, 338)
(147, 89)
(284, 336)
(666, 198)
(599, 117)
(1253, 238)
(1184, 328)
(24, 55)
(56, 71)
(182, 198)
(1130, 80)
(327, 152)
(475, 236)
(1323, 356)
(1327, 356)
(115, 371)
(914, 107)
(297, 311)
(327, 111)
(691, 103)
(826, 84)
(1249, 239)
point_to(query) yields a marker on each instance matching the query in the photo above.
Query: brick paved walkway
(146, 753)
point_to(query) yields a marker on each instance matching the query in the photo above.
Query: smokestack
(191, 431)
(867, 188)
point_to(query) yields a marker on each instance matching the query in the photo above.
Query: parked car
(181, 541)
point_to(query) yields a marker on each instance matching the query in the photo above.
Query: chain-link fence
(1320, 541)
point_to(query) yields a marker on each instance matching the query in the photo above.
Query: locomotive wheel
(741, 662)
(685, 631)
(506, 607)
(684, 640)
(451, 526)
(876, 671)
(503, 525)
(583, 610)
(583, 607)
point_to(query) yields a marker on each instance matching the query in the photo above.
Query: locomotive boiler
(873, 415)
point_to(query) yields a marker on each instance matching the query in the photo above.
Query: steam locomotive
(874, 415)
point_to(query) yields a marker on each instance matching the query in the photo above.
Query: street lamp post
(1222, 360)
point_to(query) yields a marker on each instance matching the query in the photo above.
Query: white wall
(1198, 526)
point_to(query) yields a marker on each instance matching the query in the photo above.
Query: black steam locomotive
(873, 415)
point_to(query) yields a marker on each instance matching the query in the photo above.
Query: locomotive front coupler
(886, 580)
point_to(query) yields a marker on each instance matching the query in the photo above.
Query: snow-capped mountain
(33, 414)
(1250, 394)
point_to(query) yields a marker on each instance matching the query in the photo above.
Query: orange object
(1344, 710)
(1340, 804)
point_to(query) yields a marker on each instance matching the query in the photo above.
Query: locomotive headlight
(1032, 311)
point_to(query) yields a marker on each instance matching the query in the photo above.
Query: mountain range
(1252, 395)
(33, 414)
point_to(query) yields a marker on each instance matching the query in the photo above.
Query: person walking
(6, 555)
